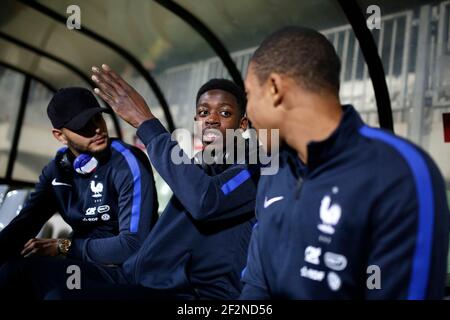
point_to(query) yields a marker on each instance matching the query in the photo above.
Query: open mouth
(211, 135)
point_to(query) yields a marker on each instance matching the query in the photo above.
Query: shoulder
(59, 162)
(405, 171)
(129, 161)
(125, 153)
(397, 156)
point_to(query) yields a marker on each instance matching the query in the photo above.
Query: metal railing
(440, 82)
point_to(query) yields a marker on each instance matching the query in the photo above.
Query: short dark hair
(301, 53)
(228, 86)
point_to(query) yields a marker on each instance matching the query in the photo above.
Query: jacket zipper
(299, 187)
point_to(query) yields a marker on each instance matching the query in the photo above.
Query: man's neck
(74, 152)
(315, 120)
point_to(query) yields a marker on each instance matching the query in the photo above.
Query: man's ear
(276, 89)
(243, 123)
(60, 136)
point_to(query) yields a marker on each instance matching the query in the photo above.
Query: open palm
(126, 102)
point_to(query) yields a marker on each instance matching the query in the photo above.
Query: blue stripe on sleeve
(422, 254)
(235, 182)
(134, 167)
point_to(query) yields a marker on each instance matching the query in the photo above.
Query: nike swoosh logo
(271, 201)
(56, 183)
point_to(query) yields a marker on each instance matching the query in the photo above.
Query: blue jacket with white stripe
(367, 218)
(111, 211)
(199, 245)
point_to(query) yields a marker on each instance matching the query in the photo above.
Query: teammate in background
(102, 187)
(348, 201)
(199, 245)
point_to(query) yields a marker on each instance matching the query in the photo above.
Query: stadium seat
(12, 204)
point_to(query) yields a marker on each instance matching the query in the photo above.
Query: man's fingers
(29, 242)
(35, 243)
(107, 79)
(31, 253)
(47, 244)
(99, 76)
(105, 97)
(37, 247)
(32, 243)
(24, 251)
(117, 79)
(105, 76)
(106, 92)
(27, 249)
(105, 86)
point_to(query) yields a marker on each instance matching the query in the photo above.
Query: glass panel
(11, 84)
(179, 59)
(240, 25)
(242, 32)
(54, 73)
(37, 144)
(55, 38)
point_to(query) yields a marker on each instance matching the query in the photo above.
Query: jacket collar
(320, 152)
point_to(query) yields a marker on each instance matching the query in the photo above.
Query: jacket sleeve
(38, 208)
(252, 276)
(229, 194)
(409, 237)
(138, 212)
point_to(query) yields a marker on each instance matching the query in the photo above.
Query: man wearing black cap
(103, 188)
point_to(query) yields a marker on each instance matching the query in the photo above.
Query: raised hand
(123, 99)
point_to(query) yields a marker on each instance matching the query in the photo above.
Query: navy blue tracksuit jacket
(111, 211)
(199, 244)
(366, 218)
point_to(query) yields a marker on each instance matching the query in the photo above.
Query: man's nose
(213, 120)
(91, 129)
(96, 125)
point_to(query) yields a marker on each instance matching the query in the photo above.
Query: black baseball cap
(72, 108)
